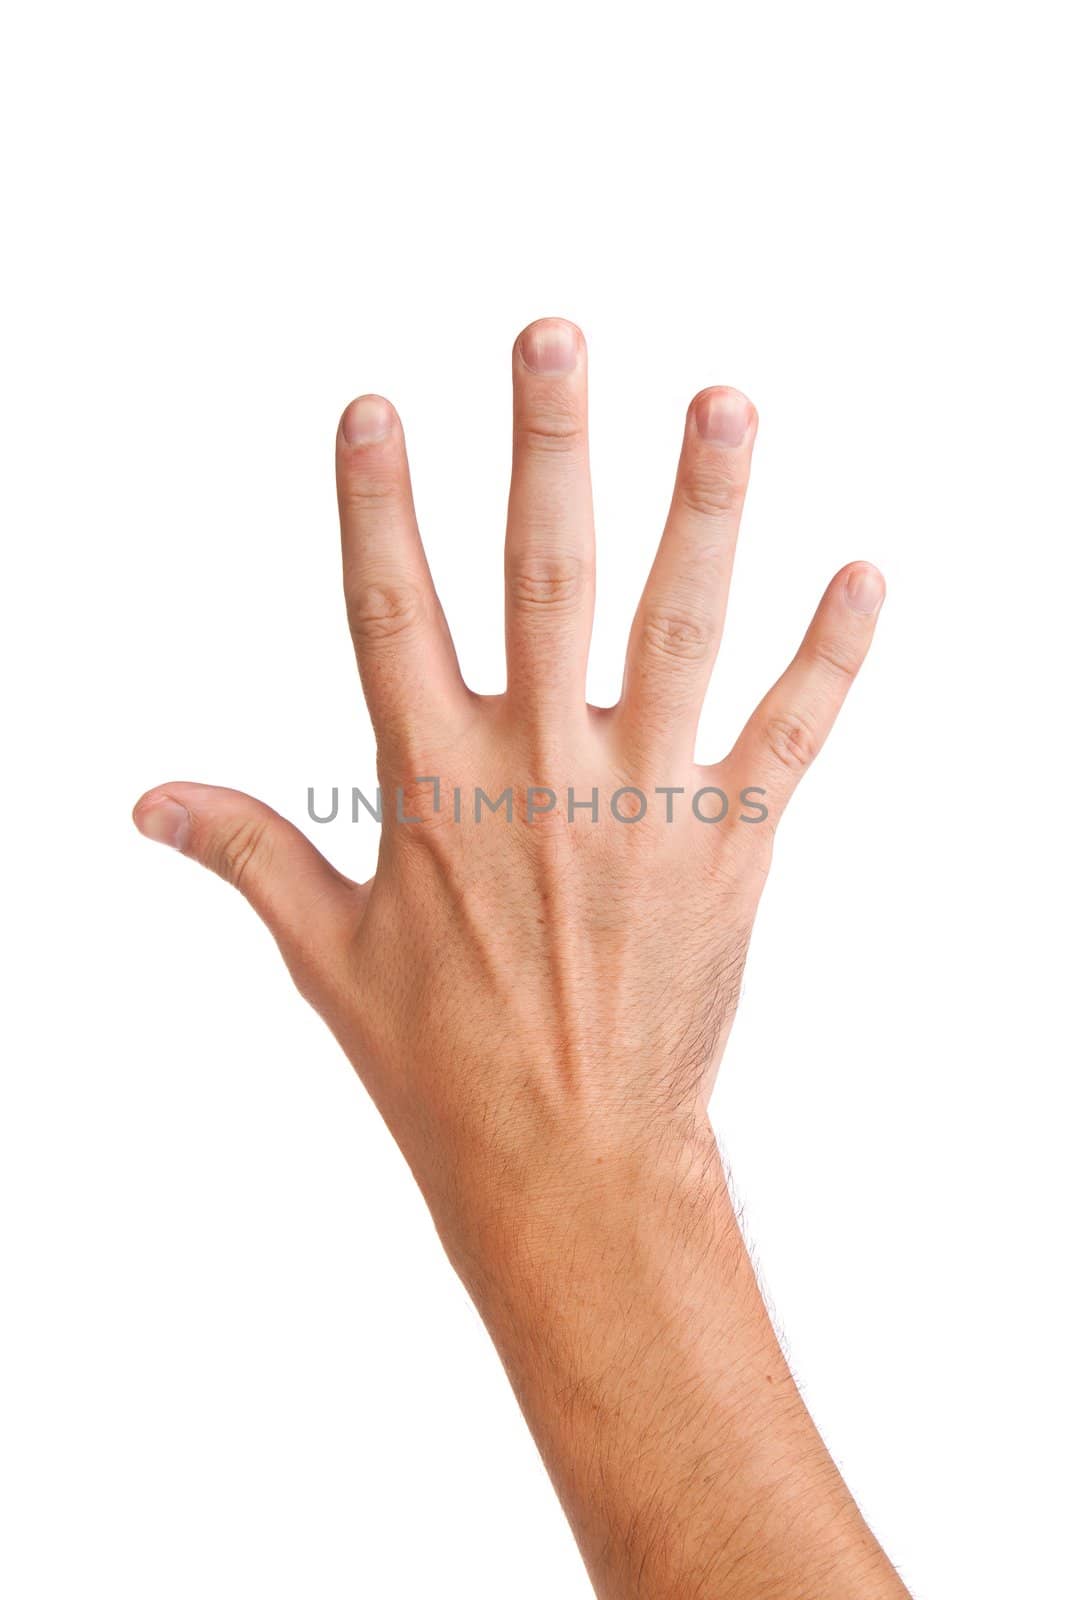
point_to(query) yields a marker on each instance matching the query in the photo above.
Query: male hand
(538, 1005)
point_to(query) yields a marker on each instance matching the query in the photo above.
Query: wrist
(591, 1209)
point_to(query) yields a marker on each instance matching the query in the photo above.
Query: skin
(539, 1009)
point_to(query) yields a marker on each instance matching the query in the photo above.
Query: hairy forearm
(627, 1314)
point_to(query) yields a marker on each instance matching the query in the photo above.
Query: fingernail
(166, 822)
(723, 417)
(865, 590)
(550, 347)
(366, 420)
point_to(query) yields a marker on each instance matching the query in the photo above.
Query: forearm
(629, 1319)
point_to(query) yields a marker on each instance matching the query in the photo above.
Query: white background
(234, 1360)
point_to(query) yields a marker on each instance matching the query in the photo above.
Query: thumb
(304, 901)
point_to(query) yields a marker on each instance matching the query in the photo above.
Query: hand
(514, 994)
(539, 1005)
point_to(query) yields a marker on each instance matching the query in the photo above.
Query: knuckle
(791, 740)
(711, 491)
(547, 583)
(418, 807)
(238, 846)
(836, 657)
(548, 432)
(383, 611)
(368, 487)
(676, 635)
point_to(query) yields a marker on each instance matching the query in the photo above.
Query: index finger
(407, 662)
